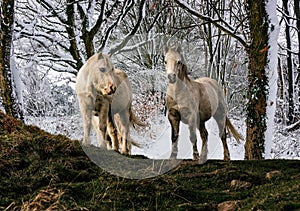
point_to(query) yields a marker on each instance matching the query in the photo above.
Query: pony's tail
(134, 143)
(234, 132)
(134, 120)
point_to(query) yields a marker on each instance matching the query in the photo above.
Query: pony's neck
(183, 73)
(186, 79)
(179, 85)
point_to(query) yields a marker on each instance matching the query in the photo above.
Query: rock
(228, 206)
(272, 174)
(238, 184)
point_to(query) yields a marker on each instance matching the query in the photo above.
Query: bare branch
(216, 22)
(134, 30)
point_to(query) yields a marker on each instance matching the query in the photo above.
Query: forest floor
(40, 171)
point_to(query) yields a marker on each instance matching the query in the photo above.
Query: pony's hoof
(226, 158)
(202, 160)
(196, 156)
(85, 143)
(124, 152)
(115, 149)
(173, 157)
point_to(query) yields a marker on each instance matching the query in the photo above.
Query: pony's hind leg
(204, 136)
(123, 128)
(225, 146)
(174, 119)
(220, 117)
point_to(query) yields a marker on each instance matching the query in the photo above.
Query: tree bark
(257, 80)
(8, 97)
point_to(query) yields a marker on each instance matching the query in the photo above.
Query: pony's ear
(178, 49)
(100, 56)
(166, 48)
(109, 55)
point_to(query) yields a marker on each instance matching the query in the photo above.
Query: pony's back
(211, 92)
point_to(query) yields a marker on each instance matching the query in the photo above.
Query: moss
(39, 171)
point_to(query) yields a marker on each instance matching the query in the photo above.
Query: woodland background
(44, 43)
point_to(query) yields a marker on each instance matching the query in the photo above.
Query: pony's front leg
(101, 131)
(87, 125)
(174, 119)
(204, 136)
(86, 103)
(103, 134)
(193, 138)
(101, 124)
(112, 132)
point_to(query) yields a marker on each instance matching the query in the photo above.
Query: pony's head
(175, 65)
(103, 78)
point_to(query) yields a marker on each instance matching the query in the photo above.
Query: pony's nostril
(112, 89)
(172, 77)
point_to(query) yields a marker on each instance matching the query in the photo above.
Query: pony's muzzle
(172, 78)
(109, 89)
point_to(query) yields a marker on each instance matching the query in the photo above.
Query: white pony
(193, 102)
(105, 98)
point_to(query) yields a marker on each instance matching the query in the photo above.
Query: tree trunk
(257, 80)
(289, 64)
(297, 12)
(281, 91)
(6, 80)
(74, 51)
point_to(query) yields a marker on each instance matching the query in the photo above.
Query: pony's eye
(165, 62)
(179, 62)
(102, 70)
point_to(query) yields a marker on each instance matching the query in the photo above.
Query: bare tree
(7, 92)
(289, 60)
(297, 12)
(289, 63)
(61, 35)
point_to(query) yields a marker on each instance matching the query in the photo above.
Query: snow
(156, 143)
(160, 146)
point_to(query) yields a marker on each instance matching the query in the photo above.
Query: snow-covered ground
(156, 140)
(159, 146)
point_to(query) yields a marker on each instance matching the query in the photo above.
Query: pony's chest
(187, 108)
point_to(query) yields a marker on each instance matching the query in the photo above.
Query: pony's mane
(183, 70)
